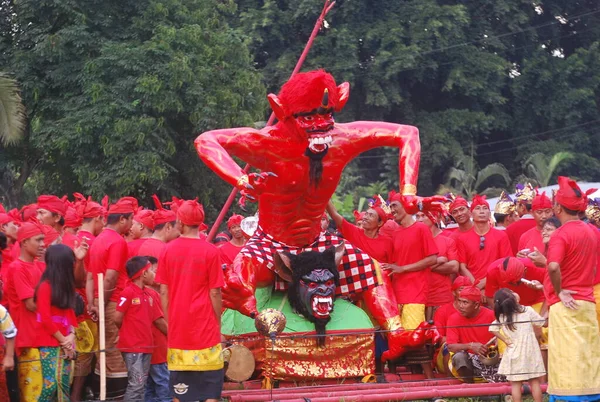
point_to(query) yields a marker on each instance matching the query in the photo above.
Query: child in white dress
(522, 360)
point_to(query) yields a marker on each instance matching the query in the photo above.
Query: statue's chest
(299, 176)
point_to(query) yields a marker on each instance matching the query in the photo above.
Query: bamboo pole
(102, 340)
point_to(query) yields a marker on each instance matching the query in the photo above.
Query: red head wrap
(190, 213)
(28, 230)
(461, 282)
(358, 216)
(29, 213)
(471, 293)
(514, 270)
(235, 220)
(2, 210)
(457, 203)
(145, 217)
(479, 200)
(541, 201)
(5, 218)
(304, 92)
(570, 196)
(126, 205)
(72, 218)
(53, 204)
(141, 272)
(202, 227)
(379, 206)
(87, 208)
(50, 235)
(162, 215)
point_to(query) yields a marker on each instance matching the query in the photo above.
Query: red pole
(326, 7)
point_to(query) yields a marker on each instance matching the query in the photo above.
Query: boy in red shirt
(190, 274)
(532, 239)
(229, 250)
(135, 317)
(468, 336)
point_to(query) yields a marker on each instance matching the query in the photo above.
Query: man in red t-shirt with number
(573, 341)
(108, 255)
(190, 274)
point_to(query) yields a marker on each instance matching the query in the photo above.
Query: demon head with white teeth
(314, 281)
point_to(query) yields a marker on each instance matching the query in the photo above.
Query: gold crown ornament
(592, 212)
(525, 193)
(505, 205)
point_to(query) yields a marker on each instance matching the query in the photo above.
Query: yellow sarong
(195, 360)
(597, 298)
(544, 341)
(411, 315)
(573, 350)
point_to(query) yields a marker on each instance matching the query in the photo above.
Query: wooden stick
(102, 334)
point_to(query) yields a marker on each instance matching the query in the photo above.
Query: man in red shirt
(414, 252)
(440, 279)
(482, 244)
(51, 211)
(573, 370)
(532, 239)
(8, 226)
(165, 230)
(367, 237)
(190, 274)
(135, 317)
(508, 273)
(108, 255)
(141, 230)
(92, 224)
(524, 198)
(229, 250)
(468, 336)
(504, 212)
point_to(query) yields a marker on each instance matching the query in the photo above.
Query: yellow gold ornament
(270, 322)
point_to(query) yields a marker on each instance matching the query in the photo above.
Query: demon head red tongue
(322, 306)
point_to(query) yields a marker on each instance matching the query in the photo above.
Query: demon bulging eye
(329, 283)
(312, 285)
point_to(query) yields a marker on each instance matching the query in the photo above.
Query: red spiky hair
(304, 92)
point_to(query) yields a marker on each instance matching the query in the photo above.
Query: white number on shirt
(123, 300)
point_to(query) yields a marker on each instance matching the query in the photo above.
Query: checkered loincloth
(357, 272)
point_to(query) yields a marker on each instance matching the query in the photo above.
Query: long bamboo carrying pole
(102, 337)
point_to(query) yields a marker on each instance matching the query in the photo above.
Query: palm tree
(466, 179)
(539, 168)
(12, 112)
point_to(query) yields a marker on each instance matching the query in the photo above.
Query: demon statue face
(306, 105)
(314, 280)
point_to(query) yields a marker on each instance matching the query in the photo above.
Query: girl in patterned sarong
(45, 370)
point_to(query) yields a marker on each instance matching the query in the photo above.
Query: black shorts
(189, 386)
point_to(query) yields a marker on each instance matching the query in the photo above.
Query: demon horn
(325, 101)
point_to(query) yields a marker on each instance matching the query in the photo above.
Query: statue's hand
(251, 185)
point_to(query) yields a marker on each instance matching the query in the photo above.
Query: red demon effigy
(301, 159)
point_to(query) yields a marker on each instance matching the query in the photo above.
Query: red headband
(235, 220)
(471, 293)
(126, 205)
(5, 218)
(72, 218)
(457, 203)
(190, 213)
(514, 271)
(541, 201)
(141, 272)
(29, 230)
(50, 235)
(162, 215)
(145, 217)
(479, 200)
(461, 282)
(87, 208)
(570, 195)
(52, 203)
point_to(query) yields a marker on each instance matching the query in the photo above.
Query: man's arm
(446, 268)
(164, 298)
(110, 282)
(417, 266)
(30, 305)
(216, 300)
(162, 326)
(118, 319)
(335, 215)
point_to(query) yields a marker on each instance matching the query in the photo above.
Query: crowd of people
(508, 290)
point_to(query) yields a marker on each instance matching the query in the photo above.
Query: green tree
(12, 111)
(540, 168)
(118, 91)
(467, 179)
